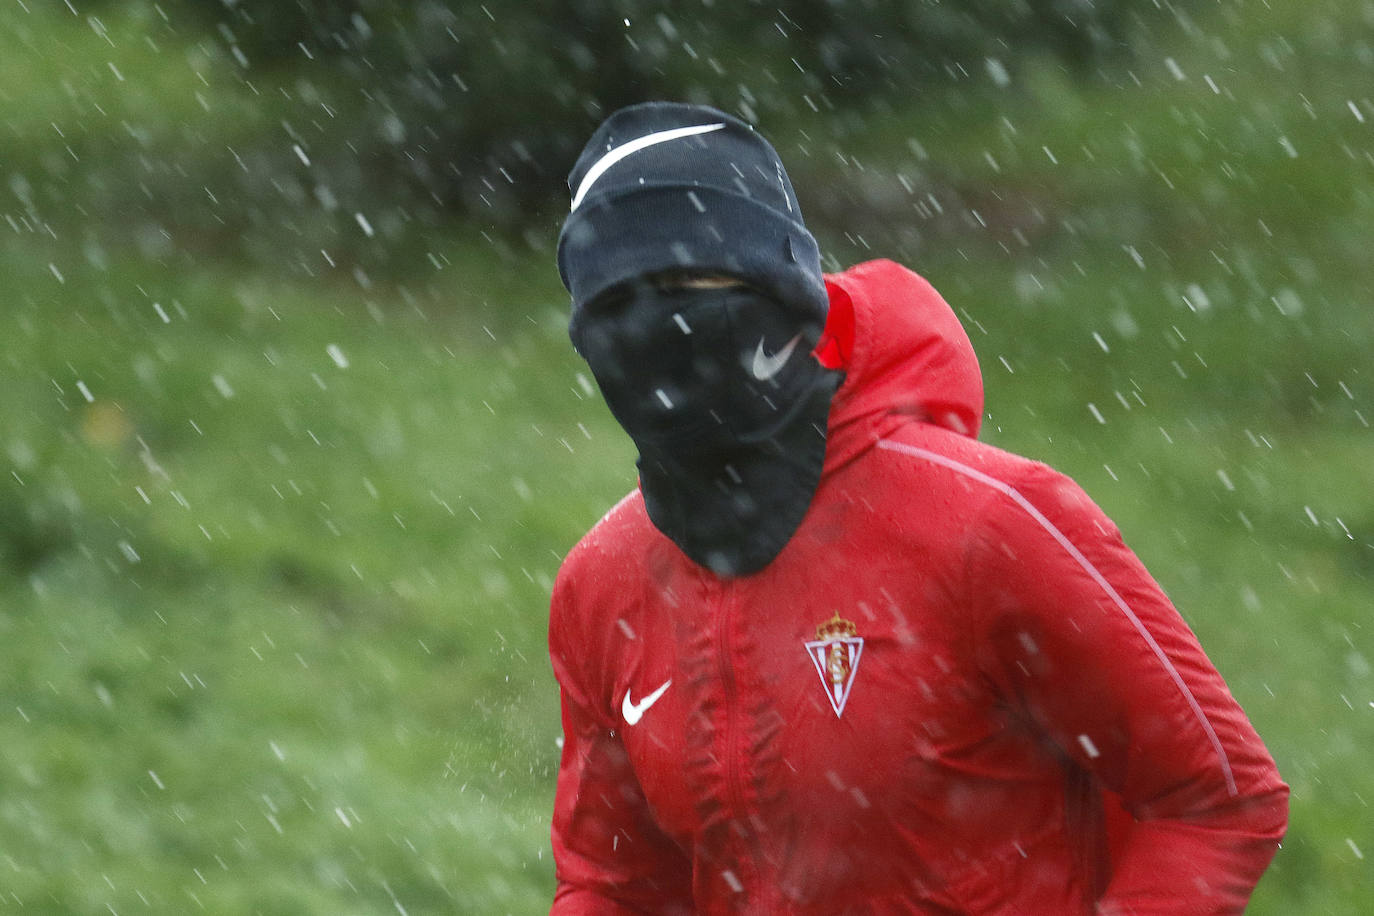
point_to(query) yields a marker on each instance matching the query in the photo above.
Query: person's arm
(1082, 639)
(610, 857)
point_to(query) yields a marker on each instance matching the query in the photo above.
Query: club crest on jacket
(835, 652)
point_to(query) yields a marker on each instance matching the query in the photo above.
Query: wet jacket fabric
(954, 691)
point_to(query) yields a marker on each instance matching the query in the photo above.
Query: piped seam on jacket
(1017, 497)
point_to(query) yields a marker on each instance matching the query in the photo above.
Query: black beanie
(665, 186)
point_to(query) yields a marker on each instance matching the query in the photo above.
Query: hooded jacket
(954, 691)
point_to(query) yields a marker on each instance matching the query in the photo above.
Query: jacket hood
(904, 354)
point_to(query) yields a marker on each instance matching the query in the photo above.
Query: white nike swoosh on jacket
(633, 711)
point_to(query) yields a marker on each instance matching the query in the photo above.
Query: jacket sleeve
(610, 857)
(1080, 638)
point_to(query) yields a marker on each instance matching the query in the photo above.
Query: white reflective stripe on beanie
(620, 152)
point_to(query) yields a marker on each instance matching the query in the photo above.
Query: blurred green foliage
(283, 121)
(290, 450)
(478, 107)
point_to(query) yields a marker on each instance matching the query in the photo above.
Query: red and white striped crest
(835, 652)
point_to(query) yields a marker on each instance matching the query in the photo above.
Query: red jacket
(955, 691)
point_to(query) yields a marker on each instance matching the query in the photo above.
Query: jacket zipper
(734, 784)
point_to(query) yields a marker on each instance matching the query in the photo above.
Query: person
(833, 654)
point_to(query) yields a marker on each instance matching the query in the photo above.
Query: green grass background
(276, 540)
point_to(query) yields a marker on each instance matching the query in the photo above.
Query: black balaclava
(716, 385)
